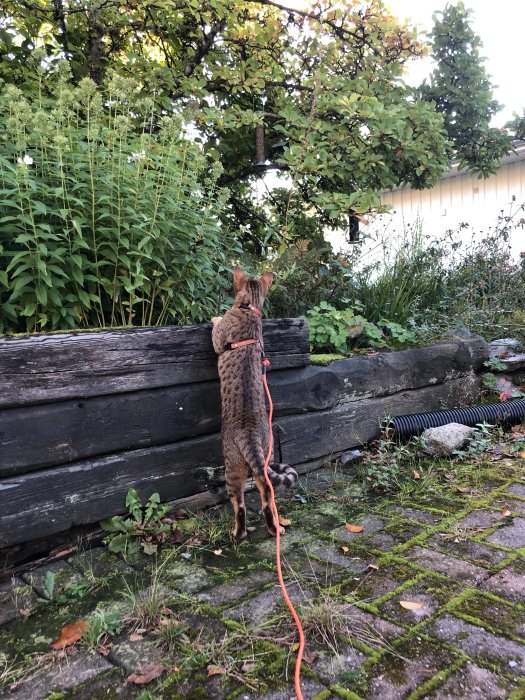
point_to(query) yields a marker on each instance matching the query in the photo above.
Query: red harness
(249, 341)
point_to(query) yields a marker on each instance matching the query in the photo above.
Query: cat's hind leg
(267, 510)
(236, 475)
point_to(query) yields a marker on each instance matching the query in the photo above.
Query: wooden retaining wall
(85, 416)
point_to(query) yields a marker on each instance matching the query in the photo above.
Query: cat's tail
(279, 474)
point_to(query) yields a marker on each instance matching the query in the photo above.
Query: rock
(444, 440)
(351, 456)
(503, 346)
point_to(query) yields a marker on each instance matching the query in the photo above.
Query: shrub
(109, 214)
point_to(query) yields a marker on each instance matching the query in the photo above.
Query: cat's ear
(266, 281)
(239, 279)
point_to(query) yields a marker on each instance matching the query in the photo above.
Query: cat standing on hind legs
(237, 339)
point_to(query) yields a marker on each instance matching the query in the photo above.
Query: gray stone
(452, 567)
(517, 507)
(65, 675)
(267, 604)
(475, 552)
(503, 346)
(63, 576)
(517, 489)
(333, 555)
(472, 683)
(442, 441)
(371, 524)
(508, 583)
(478, 642)
(133, 655)
(309, 688)
(430, 593)
(98, 562)
(419, 516)
(510, 535)
(480, 520)
(330, 666)
(15, 596)
(237, 588)
(394, 677)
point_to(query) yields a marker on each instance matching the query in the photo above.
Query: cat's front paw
(216, 319)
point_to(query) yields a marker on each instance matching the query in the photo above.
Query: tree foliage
(325, 85)
(462, 91)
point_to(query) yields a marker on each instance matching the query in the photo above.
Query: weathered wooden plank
(316, 388)
(305, 437)
(52, 500)
(47, 368)
(32, 437)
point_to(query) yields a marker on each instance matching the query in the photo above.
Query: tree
(461, 90)
(322, 89)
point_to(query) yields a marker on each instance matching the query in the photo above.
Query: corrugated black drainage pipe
(505, 414)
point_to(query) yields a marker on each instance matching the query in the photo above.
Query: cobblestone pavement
(428, 601)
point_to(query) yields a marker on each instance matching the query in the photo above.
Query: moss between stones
(488, 611)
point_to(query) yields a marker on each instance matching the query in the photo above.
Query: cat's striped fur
(245, 431)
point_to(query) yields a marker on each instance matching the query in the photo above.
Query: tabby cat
(245, 431)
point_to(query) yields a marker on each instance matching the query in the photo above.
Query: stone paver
(517, 489)
(508, 583)
(255, 610)
(478, 643)
(451, 566)
(473, 683)
(240, 586)
(218, 623)
(430, 592)
(474, 552)
(510, 535)
(15, 596)
(69, 673)
(414, 663)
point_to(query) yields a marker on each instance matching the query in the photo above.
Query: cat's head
(251, 291)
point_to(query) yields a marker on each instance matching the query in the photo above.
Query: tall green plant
(109, 214)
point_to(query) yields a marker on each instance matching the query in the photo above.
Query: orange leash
(278, 544)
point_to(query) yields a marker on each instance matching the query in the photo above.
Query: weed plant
(407, 290)
(109, 213)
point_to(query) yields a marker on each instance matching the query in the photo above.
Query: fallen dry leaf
(104, 649)
(295, 646)
(284, 521)
(463, 489)
(248, 667)
(521, 454)
(70, 634)
(310, 656)
(410, 605)
(373, 566)
(216, 670)
(345, 550)
(416, 475)
(135, 637)
(217, 552)
(506, 512)
(146, 674)
(149, 548)
(25, 612)
(354, 528)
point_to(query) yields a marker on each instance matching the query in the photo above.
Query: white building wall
(460, 198)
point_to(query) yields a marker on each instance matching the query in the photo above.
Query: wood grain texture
(53, 500)
(44, 368)
(316, 388)
(305, 437)
(45, 435)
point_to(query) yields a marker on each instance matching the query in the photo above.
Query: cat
(245, 431)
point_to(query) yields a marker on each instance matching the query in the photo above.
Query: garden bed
(86, 416)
